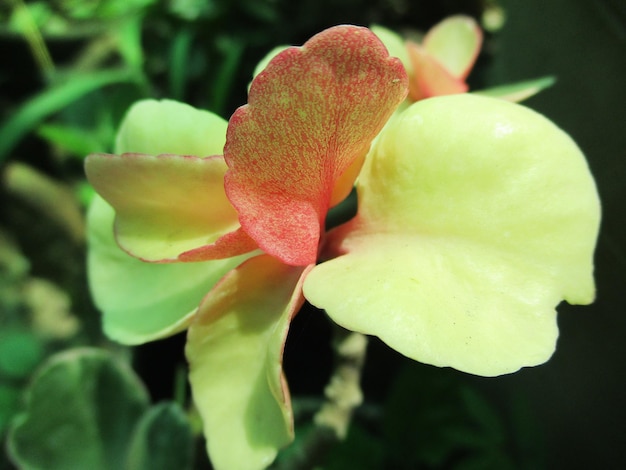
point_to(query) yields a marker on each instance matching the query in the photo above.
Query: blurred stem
(179, 63)
(34, 39)
(49, 197)
(233, 51)
(343, 394)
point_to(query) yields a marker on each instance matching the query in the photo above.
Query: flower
(442, 61)
(475, 218)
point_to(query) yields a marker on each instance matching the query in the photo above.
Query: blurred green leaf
(52, 100)
(422, 406)
(179, 62)
(121, 8)
(37, 12)
(9, 405)
(434, 419)
(192, 10)
(75, 140)
(232, 50)
(360, 450)
(129, 41)
(518, 91)
(20, 352)
(482, 413)
(162, 440)
(263, 10)
(81, 410)
(102, 9)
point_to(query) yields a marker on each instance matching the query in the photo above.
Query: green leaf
(179, 62)
(423, 404)
(54, 99)
(359, 450)
(163, 440)
(20, 352)
(519, 91)
(81, 410)
(129, 41)
(232, 51)
(9, 405)
(72, 139)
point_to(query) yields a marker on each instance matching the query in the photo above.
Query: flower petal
(312, 113)
(455, 42)
(158, 127)
(141, 301)
(234, 349)
(430, 78)
(476, 217)
(395, 44)
(169, 207)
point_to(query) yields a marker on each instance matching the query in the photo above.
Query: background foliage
(71, 68)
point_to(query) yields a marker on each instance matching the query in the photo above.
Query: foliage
(105, 422)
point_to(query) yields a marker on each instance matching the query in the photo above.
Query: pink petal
(312, 114)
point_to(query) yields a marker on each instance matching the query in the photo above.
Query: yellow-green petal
(156, 127)
(476, 218)
(395, 44)
(234, 349)
(169, 207)
(140, 301)
(455, 42)
(267, 59)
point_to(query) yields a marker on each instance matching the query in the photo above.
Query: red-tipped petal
(312, 113)
(455, 42)
(430, 77)
(169, 207)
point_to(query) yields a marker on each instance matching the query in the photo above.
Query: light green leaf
(234, 349)
(82, 408)
(519, 91)
(476, 217)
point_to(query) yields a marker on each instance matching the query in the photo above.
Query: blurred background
(71, 68)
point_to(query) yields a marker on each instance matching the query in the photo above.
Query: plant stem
(33, 37)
